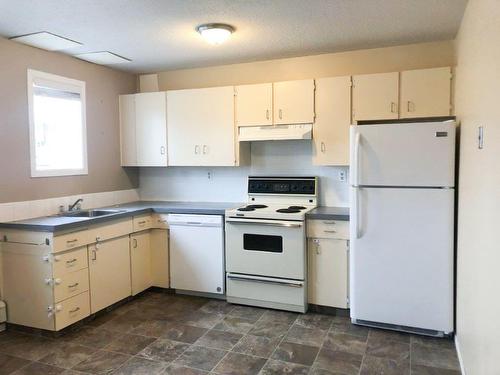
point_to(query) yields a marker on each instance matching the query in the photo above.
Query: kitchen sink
(91, 213)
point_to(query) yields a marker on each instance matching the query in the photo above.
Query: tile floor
(160, 333)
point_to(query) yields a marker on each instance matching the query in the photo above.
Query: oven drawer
(336, 229)
(266, 292)
(266, 248)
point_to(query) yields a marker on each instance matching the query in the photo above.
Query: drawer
(142, 222)
(69, 262)
(71, 240)
(336, 229)
(159, 221)
(266, 292)
(72, 310)
(115, 229)
(71, 284)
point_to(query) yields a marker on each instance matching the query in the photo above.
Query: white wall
(477, 103)
(228, 184)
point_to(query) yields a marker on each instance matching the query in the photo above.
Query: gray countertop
(329, 213)
(62, 223)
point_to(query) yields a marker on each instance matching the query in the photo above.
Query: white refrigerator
(402, 226)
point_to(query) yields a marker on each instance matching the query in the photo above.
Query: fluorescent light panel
(47, 41)
(103, 58)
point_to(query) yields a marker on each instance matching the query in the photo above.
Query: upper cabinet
(426, 93)
(333, 117)
(201, 127)
(254, 104)
(409, 94)
(375, 96)
(293, 102)
(143, 129)
(289, 102)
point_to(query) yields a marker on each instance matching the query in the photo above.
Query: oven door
(266, 247)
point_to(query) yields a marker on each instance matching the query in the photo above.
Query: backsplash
(229, 184)
(45, 207)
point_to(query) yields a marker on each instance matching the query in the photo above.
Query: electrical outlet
(210, 175)
(342, 175)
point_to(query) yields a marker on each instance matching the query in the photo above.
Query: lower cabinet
(160, 258)
(140, 259)
(109, 270)
(328, 281)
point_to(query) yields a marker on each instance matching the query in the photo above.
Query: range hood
(274, 133)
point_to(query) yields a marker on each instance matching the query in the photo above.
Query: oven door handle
(287, 224)
(294, 284)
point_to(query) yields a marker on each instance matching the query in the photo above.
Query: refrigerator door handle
(357, 218)
(357, 145)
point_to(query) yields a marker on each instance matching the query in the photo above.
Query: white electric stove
(266, 243)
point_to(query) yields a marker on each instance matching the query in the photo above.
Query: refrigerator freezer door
(402, 257)
(408, 154)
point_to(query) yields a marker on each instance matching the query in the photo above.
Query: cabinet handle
(410, 107)
(72, 242)
(74, 310)
(280, 114)
(196, 149)
(94, 255)
(393, 107)
(71, 261)
(135, 243)
(323, 147)
(330, 231)
(267, 114)
(141, 222)
(205, 149)
(74, 285)
(162, 150)
(329, 222)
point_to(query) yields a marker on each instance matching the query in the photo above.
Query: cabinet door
(183, 126)
(151, 129)
(254, 104)
(201, 127)
(218, 131)
(140, 261)
(328, 272)
(426, 92)
(333, 117)
(375, 96)
(294, 102)
(127, 130)
(109, 269)
(160, 258)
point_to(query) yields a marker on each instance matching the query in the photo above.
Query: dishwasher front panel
(197, 258)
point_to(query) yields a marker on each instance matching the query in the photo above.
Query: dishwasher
(197, 253)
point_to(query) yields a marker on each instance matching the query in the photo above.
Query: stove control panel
(282, 185)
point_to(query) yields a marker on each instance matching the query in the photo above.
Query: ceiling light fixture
(215, 33)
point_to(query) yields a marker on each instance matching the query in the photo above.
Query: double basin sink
(91, 213)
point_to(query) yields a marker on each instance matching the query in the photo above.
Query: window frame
(62, 83)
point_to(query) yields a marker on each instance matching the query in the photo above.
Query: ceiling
(159, 34)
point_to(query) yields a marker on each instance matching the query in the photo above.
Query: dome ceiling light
(215, 33)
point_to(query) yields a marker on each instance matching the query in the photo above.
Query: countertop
(329, 213)
(63, 223)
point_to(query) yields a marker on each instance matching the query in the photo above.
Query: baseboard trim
(459, 355)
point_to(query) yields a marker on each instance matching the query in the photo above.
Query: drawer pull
(71, 261)
(73, 285)
(330, 231)
(74, 310)
(72, 241)
(142, 222)
(329, 222)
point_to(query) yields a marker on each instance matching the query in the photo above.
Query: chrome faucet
(77, 204)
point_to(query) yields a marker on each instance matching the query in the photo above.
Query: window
(58, 136)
